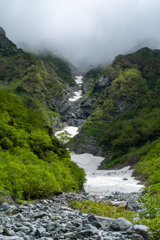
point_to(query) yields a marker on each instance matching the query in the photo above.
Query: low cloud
(86, 32)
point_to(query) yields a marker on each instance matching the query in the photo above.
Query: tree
(64, 137)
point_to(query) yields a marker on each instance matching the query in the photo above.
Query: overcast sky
(84, 31)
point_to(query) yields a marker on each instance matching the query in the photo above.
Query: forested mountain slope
(39, 84)
(33, 163)
(125, 117)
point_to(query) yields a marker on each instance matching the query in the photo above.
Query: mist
(86, 32)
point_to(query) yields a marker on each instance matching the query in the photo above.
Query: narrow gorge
(99, 182)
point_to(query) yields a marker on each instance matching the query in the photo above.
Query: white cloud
(84, 31)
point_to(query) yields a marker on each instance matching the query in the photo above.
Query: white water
(78, 94)
(101, 182)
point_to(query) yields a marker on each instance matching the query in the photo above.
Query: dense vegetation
(125, 118)
(38, 84)
(33, 163)
(60, 66)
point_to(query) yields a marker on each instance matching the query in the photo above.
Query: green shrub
(150, 216)
(33, 164)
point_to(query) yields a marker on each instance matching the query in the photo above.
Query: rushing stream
(101, 182)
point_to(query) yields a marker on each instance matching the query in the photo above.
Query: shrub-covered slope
(38, 84)
(125, 118)
(33, 164)
(60, 66)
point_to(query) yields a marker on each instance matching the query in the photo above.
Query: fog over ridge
(87, 32)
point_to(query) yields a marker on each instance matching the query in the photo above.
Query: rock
(4, 206)
(69, 235)
(141, 230)
(125, 179)
(120, 224)
(136, 237)
(8, 232)
(101, 83)
(40, 215)
(83, 144)
(91, 219)
(11, 238)
(133, 207)
(53, 219)
(37, 234)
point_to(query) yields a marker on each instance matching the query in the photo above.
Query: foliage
(125, 117)
(103, 209)
(38, 85)
(60, 66)
(64, 136)
(150, 216)
(33, 163)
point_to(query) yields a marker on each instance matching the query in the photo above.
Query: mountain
(123, 122)
(42, 84)
(34, 164)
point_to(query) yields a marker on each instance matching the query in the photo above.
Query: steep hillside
(60, 66)
(33, 164)
(124, 123)
(40, 85)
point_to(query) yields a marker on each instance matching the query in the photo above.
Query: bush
(150, 216)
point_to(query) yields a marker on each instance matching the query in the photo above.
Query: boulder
(91, 219)
(120, 224)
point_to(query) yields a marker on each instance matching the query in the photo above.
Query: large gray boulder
(120, 224)
(91, 219)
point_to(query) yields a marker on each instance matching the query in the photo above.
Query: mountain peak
(2, 31)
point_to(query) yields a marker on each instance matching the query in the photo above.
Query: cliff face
(40, 85)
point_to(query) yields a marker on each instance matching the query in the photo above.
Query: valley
(100, 182)
(109, 120)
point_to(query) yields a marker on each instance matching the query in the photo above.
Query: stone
(47, 219)
(142, 230)
(120, 224)
(37, 234)
(69, 235)
(135, 236)
(133, 207)
(8, 232)
(40, 215)
(11, 238)
(91, 219)
(4, 206)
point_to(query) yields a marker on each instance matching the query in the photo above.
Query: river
(101, 182)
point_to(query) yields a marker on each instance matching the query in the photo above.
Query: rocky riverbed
(52, 219)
